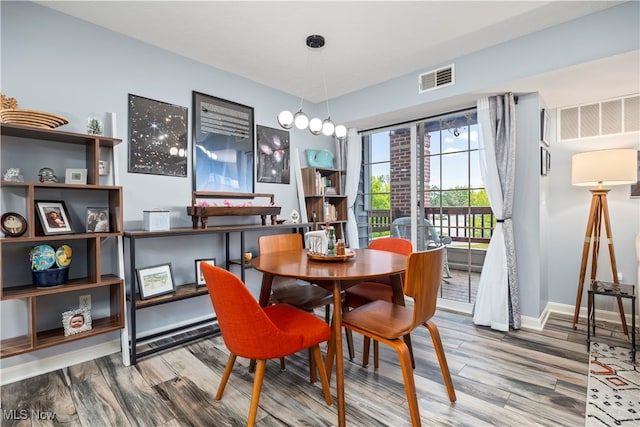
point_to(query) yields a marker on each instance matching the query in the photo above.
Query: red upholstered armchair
(254, 332)
(378, 289)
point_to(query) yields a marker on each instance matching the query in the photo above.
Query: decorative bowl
(51, 277)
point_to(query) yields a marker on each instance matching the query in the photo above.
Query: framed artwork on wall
(544, 127)
(274, 160)
(635, 188)
(545, 160)
(157, 137)
(223, 144)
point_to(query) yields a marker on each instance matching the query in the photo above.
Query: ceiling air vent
(435, 79)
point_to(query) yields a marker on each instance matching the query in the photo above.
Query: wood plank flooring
(520, 378)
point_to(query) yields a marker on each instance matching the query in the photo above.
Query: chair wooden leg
(349, 338)
(312, 368)
(442, 359)
(365, 351)
(317, 357)
(347, 332)
(225, 376)
(409, 383)
(376, 351)
(282, 365)
(331, 354)
(255, 394)
(407, 341)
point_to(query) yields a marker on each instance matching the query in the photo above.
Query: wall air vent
(436, 79)
(611, 117)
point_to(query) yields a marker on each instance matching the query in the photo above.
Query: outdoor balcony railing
(463, 224)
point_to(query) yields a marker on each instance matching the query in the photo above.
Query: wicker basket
(39, 119)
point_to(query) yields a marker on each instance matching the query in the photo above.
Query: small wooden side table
(618, 291)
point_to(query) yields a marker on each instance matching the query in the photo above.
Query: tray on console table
(201, 214)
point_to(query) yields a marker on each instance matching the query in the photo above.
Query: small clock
(13, 224)
(294, 217)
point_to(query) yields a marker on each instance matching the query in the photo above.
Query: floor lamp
(599, 169)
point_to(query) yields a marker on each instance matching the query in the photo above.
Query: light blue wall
(607, 33)
(52, 62)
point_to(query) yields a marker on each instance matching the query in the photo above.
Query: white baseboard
(59, 361)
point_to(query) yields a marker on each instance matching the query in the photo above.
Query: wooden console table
(183, 291)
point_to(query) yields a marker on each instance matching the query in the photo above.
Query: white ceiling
(367, 42)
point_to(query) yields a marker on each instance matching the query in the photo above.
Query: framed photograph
(635, 188)
(13, 224)
(97, 220)
(75, 176)
(155, 280)
(157, 137)
(273, 155)
(75, 321)
(223, 144)
(199, 277)
(548, 161)
(544, 127)
(53, 217)
(545, 159)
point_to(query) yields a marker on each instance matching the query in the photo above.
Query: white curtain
(352, 166)
(497, 303)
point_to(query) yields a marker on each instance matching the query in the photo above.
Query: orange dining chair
(303, 295)
(388, 323)
(378, 289)
(258, 333)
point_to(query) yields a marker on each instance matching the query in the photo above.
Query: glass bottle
(331, 246)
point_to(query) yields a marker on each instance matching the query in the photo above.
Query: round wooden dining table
(335, 275)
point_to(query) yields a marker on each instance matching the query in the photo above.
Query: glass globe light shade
(301, 120)
(341, 131)
(328, 127)
(285, 119)
(315, 126)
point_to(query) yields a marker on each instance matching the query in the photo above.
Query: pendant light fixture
(316, 126)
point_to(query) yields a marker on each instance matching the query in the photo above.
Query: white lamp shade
(328, 127)
(285, 119)
(604, 168)
(301, 120)
(315, 126)
(341, 131)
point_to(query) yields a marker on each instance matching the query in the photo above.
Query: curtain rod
(423, 118)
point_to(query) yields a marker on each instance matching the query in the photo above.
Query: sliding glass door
(422, 182)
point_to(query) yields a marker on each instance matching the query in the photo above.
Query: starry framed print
(157, 137)
(223, 138)
(273, 155)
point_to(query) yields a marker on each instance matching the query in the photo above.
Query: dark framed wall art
(223, 144)
(273, 155)
(635, 188)
(158, 142)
